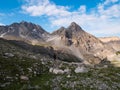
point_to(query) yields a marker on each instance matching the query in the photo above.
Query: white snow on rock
(2, 34)
(34, 30)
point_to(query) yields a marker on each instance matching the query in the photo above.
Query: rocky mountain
(75, 35)
(81, 43)
(25, 31)
(72, 40)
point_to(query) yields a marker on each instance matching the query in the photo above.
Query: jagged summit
(29, 23)
(74, 24)
(72, 28)
(75, 27)
(60, 31)
(23, 30)
(24, 21)
(26, 24)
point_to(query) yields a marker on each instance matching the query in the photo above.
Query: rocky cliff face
(74, 35)
(88, 46)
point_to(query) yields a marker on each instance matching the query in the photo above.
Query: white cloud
(99, 21)
(44, 7)
(82, 9)
(109, 2)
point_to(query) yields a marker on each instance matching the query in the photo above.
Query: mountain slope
(27, 69)
(23, 49)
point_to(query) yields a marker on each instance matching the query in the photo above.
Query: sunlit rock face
(81, 43)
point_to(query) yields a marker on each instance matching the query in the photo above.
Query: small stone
(8, 54)
(80, 70)
(25, 78)
(68, 76)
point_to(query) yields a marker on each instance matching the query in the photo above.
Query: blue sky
(98, 17)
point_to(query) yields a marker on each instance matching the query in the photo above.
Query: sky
(98, 17)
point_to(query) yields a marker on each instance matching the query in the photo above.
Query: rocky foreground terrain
(67, 59)
(22, 69)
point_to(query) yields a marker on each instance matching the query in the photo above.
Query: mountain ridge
(72, 40)
(23, 31)
(80, 43)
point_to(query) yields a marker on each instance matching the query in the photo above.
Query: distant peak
(73, 24)
(62, 28)
(23, 22)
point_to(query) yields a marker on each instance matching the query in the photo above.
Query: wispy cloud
(104, 19)
(107, 2)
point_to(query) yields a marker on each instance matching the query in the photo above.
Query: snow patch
(2, 34)
(34, 30)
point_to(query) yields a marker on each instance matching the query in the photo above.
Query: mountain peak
(27, 23)
(22, 21)
(23, 30)
(74, 26)
(60, 31)
(62, 28)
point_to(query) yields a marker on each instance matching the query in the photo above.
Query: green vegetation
(34, 70)
(40, 78)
